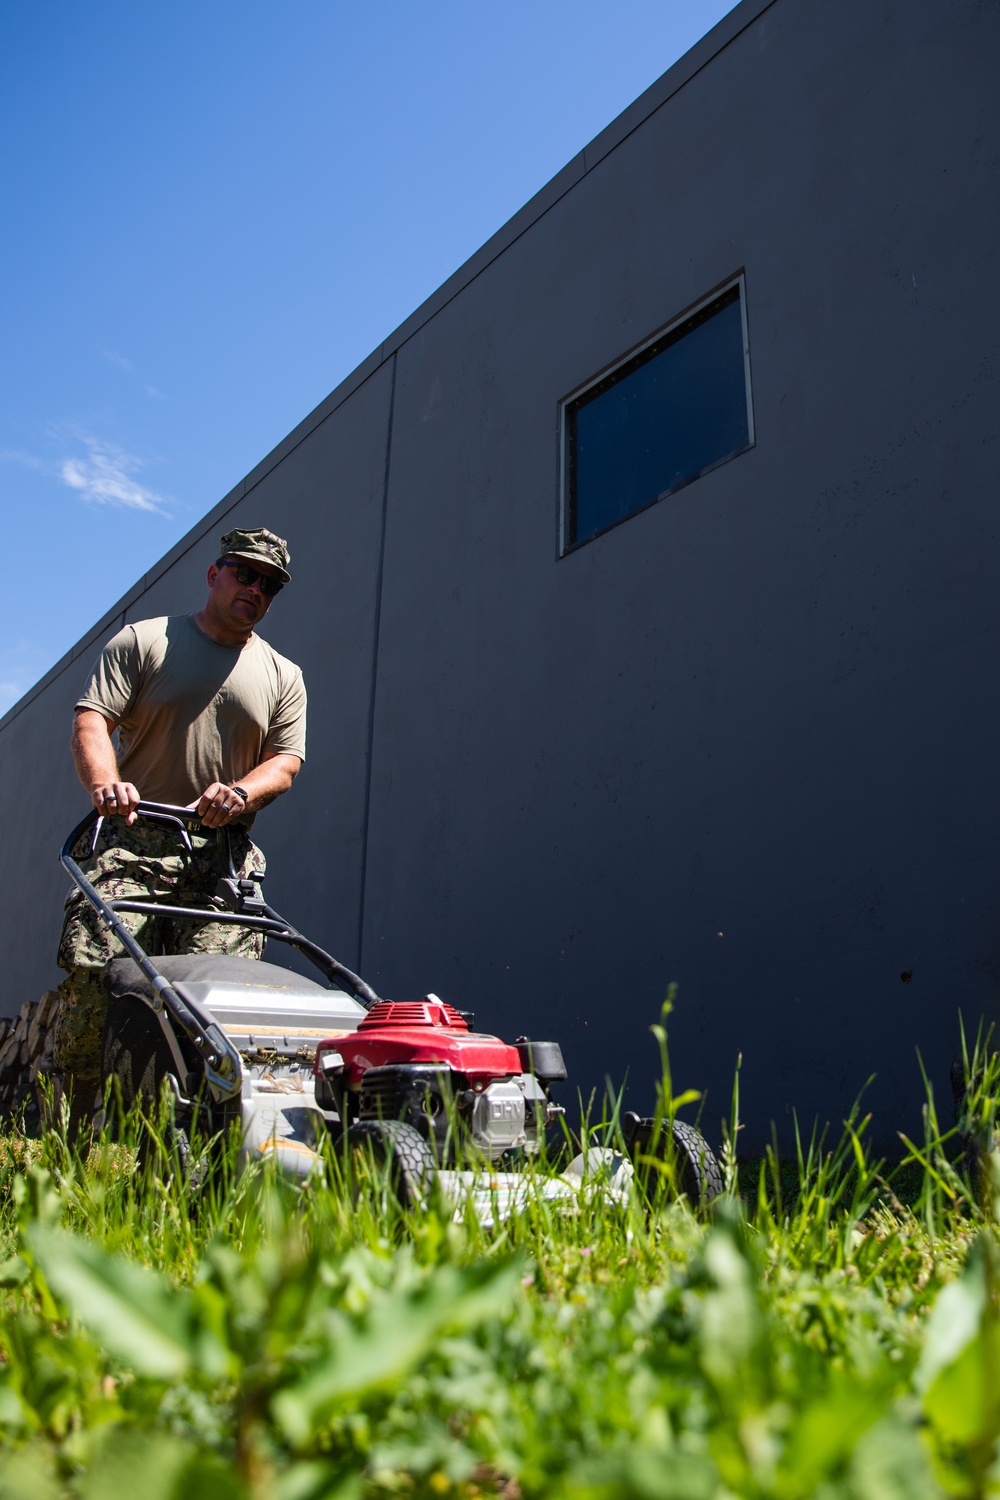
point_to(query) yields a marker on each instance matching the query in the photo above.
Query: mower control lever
(240, 896)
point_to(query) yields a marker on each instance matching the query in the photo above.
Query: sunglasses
(246, 575)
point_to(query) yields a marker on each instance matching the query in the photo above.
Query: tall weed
(827, 1334)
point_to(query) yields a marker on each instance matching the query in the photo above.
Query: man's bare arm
(97, 765)
(220, 804)
(97, 768)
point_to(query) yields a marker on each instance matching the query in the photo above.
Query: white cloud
(18, 456)
(102, 473)
(119, 360)
(106, 474)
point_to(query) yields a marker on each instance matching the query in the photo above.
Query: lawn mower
(410, 1083)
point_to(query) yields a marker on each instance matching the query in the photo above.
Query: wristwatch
(241, 792)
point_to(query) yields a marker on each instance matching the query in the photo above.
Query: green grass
(829, 1330)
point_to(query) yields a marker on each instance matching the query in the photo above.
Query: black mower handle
(160, 810)
(219, 1058)
(153, 812)
(261, 917)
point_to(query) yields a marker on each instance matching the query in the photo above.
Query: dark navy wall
(746, 741)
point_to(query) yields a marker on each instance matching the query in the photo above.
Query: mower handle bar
(267, 920)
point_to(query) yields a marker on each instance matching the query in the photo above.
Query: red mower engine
(421, 1063)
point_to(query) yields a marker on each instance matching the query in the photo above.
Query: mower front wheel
(698, 1173)
(398, 1152)
(695, 1172)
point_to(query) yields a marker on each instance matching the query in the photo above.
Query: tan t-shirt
(189, 711)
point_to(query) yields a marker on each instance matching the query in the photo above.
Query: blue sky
(214, 211)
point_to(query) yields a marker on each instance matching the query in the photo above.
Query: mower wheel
(398, 1149)
(197, 1157)
(699, 1175)
(696, 1172)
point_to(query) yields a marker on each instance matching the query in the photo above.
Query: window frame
(615, 368)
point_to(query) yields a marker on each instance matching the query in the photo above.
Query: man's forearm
(93, 753)
(220, 803)
(267, 781)
(97, 765)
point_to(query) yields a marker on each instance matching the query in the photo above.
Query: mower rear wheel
(195, 1153)
(399, 1151)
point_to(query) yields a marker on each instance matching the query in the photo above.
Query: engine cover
(423, 1031)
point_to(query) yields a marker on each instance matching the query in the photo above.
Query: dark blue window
(679, 407)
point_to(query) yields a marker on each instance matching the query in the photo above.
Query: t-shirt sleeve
(286, 733)
(114, 679)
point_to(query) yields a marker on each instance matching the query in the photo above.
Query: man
(208, 716)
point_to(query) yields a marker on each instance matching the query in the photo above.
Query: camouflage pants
(140, 863)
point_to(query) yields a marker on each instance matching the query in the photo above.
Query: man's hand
(97, 768)
(219, 805)
(117, 798)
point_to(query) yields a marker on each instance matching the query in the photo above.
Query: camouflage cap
(258, 545)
